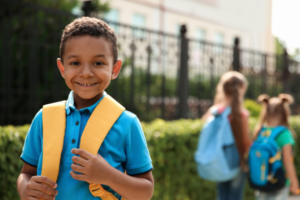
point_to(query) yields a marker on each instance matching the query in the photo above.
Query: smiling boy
(88, 62)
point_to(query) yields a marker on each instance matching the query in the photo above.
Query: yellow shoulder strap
(102, 119)
(54, 123)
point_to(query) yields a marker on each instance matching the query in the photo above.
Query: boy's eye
(74, 63)
(98, 63)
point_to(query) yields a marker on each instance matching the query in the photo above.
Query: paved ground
(294, 198)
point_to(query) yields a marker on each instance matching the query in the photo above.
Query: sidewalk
(294, 198)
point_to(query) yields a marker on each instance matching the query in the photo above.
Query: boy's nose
(87, 71)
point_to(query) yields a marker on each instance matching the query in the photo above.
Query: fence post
(87, 8)
(183, 74)
(212, 82)
(264, 73)
(236, 55)
(148, 79)
(286, 72)
(132, 81)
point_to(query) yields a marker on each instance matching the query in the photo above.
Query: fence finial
(87, 8)
(183, 29)
(236, 55)
(236, 41)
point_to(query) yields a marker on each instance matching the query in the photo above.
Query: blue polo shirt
(124, 148)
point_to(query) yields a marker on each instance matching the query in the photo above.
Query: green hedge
(253, 107)
(171, 144)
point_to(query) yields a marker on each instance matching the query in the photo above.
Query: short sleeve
(138, 159)
(245, 113)
(33, 143)
(285, 138)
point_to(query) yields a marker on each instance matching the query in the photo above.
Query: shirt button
(73, 141)
(77, 122)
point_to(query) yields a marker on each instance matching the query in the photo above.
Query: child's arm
(133, 187)
(96, 170)
(30, 186)
(287, 153)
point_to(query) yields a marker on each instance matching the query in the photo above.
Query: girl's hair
(230, 86)
(274, 107)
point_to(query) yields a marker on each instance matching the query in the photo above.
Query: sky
(286, 22)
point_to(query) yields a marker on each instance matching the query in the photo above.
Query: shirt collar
(70, 104)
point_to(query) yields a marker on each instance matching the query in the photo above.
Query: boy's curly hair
(89, 26)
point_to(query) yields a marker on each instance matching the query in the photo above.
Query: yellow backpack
(54, 124)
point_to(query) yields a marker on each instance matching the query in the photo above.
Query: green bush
(171, 145)
(253, 107)
(11, 143)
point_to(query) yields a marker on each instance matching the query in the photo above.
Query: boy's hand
(40, 187)
(93, 169)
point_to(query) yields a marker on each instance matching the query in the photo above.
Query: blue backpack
(266, 172)
(217, 157)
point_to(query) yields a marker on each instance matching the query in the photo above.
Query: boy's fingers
(43, 188)
(32, 198)
(82, 153)
(78, 168)
(46, 180)
(41, 195)
(79, 160)
(79, 177)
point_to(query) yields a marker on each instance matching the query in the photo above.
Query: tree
(279, 46)
(65, 5)
(100, 7)
(296, 55)
(29, 45)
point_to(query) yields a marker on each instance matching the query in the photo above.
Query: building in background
(217, 21)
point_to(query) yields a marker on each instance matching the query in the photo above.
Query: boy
(88, 61)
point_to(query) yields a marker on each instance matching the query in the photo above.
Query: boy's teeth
(86, 84)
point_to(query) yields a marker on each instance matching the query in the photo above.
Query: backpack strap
(102, 119)
(274, 134)
(218, 111)
(277, 131)
(99, 124)
(227, 112)
(54, 126)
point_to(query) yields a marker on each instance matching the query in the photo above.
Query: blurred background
(173, 52)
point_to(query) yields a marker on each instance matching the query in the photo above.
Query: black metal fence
(163, 75)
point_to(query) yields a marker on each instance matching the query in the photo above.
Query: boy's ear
(61, 67)
(116, 69)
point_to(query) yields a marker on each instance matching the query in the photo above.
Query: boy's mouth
(86, 84)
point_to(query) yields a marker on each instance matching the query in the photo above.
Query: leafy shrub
(171, 145)
(11, 143)
(253, 107)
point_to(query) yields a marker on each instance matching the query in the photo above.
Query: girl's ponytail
(264, 100)
(231, 89)
(286, 100)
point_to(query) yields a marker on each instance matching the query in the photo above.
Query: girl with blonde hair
(230, 93)
(275, 112)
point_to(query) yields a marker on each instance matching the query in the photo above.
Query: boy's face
(88, 66)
